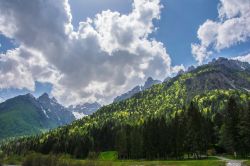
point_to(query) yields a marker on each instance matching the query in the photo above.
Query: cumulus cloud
(20, 69)
(244, 58)
(232, 28)
(177, 69)
(105, 56)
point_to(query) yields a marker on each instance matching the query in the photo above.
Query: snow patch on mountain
(148, 84)
(78, 115)
(81, 110)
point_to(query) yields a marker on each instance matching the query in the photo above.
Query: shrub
(40, 160)
(93, 155)
(12, 160)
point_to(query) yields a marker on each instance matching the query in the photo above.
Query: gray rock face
(167, 79)
(191, 68)
(232, 64)
(180, 72)
(28, 115)
(150, 82)
(55, 111)
(219, 74)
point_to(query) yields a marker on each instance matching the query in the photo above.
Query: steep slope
(219, 74)
(54, 111)
(26, 115)
(21, 116)
(148, 84)
(209, 87)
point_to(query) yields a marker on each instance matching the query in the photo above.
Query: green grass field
(140, 163)
(104, 159)
(111, 158)
(155, 163)
(108, 156)
(247, 163)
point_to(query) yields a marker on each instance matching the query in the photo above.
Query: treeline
(188, 131)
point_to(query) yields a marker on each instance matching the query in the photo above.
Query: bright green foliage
(51, 160)
(247, 163)
(158, 123)
(20, 118)
(110, 155)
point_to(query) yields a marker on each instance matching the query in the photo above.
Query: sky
(90, 50)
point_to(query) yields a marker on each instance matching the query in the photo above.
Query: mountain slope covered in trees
(25, 115)
(187, 114)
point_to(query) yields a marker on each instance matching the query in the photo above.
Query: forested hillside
(25, 115)
(207, 108)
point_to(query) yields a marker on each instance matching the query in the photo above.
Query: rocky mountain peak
(181, 72)
(44, 97)
(230, 63)
(191, 68)
(29, 95)
(148, 84)
(167, 79)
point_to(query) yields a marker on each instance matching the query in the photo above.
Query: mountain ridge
(221, 74)
(148, 84)
(208, 87)
(25, 115)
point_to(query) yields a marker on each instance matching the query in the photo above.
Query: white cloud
(177, 69)
(232, 28)
(106, 56)
(200, 52)
(2, 99)
(19, 69)
(244, 58)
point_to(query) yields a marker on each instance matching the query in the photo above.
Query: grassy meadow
(247, 163)
(103, 159)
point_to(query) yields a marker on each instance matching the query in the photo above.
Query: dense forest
(193, 114)
(187, 132)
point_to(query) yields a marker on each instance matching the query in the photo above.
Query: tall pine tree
(230, 128)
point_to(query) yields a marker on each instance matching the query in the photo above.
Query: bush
(40, 160)
(93, 155)
(35, 159)
(1, 155)
(12, 160)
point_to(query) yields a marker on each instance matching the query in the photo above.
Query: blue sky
(177, 30)
(180, 20)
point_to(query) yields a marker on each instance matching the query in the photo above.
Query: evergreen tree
(195, 137)
(245, 132)
(230, 128)
(122, 143)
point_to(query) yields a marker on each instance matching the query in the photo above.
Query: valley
(124, 83)
(197, 113)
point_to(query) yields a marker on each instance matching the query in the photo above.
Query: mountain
(219, 74)
(26, 115)
(79, 111)
(184, 114)
(55, 111)
(148, 84)
(21, 116)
